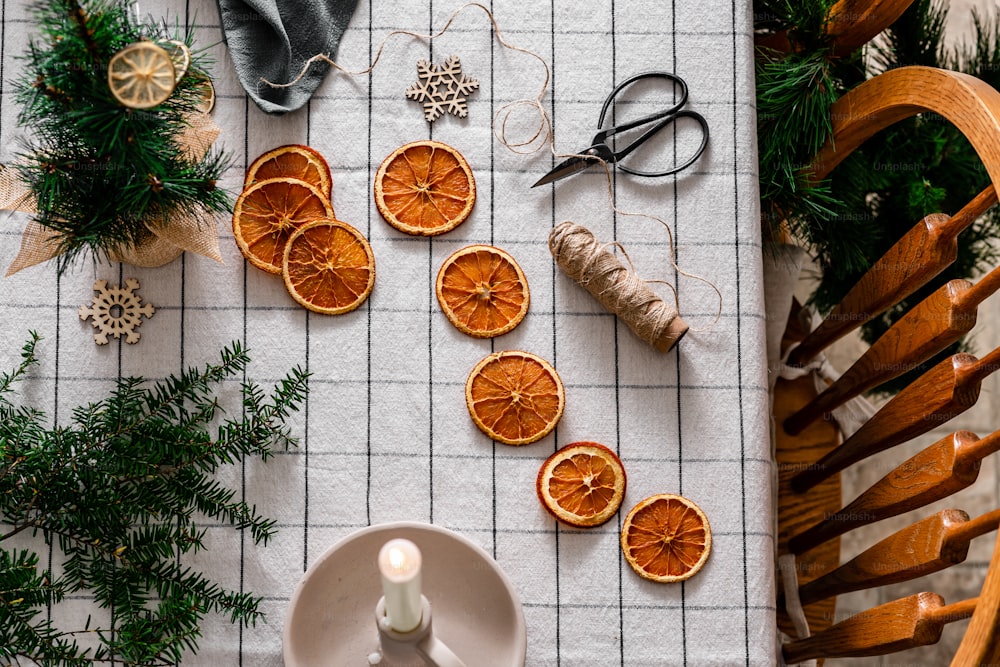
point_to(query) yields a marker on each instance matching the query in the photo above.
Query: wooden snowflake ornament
(442, 90)
(115, 311)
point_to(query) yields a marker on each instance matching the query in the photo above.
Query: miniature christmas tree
(107, 103)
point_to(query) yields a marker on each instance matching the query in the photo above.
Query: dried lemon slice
(180, 56)
(206, 100)
(141, 75)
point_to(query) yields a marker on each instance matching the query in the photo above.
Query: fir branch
(120, 491)
(916, 38)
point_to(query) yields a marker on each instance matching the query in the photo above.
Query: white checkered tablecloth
(385, 434)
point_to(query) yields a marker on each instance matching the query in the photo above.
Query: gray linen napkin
(272, 39)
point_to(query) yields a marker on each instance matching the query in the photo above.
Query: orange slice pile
(666, 538)
(269, 212)
(425, 188)
(292, 161)
(329, 267)
(482, 291)
(582, 484)
(514, 397)
(283, 223)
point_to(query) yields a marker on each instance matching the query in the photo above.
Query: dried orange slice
(515, 397)
(425, 188)
(328, 267)
(292, 161)
(269, 212)
(582, 484)
(666, 538)
(482, 291)
(141, 75)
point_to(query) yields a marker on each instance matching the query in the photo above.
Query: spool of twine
(617, 288)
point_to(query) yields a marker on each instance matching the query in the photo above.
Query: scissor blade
(564, 169)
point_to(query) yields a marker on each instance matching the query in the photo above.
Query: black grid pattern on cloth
(385, 434)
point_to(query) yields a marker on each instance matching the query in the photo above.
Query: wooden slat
(914, 551)
(922, 253)
(943, 392)
(931, 326)
(894, 626)
(929, 475)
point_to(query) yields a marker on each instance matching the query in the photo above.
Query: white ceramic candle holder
(333, 618)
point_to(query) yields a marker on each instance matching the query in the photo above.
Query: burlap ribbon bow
(198, 234)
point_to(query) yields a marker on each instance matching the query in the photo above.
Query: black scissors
(601, 150)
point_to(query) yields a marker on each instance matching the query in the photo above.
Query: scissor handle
(645, 119)
(665, 118)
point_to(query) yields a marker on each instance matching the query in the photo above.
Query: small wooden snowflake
(115, 311)
(442, 90)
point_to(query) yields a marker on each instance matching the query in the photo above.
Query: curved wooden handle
(981, 643)
(970, 104)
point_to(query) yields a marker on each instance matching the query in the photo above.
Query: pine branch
(79, 17)
(120, 490)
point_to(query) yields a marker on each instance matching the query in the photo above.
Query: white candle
(399, 563)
